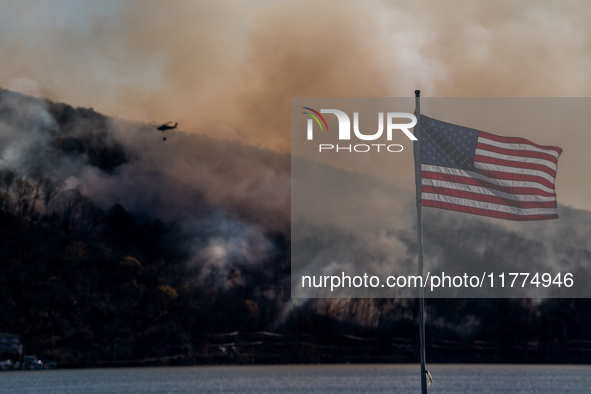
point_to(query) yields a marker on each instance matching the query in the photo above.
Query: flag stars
(445, 145)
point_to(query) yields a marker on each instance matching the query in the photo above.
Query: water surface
(309, 379)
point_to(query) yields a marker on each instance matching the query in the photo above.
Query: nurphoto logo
(345, 130)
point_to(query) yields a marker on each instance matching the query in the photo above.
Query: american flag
(472, 171)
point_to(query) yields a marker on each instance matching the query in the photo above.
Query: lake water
(309, 379)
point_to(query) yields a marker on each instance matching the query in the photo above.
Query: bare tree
(49, 190)
(76, 213)
(87, 217)
(7, 177)
(36, 180)
(65, 204)
(23, 195)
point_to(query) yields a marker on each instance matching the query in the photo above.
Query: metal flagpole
(417, 157)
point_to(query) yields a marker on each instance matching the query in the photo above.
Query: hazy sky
(229, 69)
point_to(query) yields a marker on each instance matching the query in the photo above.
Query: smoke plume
(229, 69)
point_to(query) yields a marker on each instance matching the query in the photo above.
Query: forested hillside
(117, 247)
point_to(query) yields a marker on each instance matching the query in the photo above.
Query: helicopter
(166, 126)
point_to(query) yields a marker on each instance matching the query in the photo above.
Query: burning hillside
(112, 239)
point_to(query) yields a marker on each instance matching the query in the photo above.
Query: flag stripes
(484, 158)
